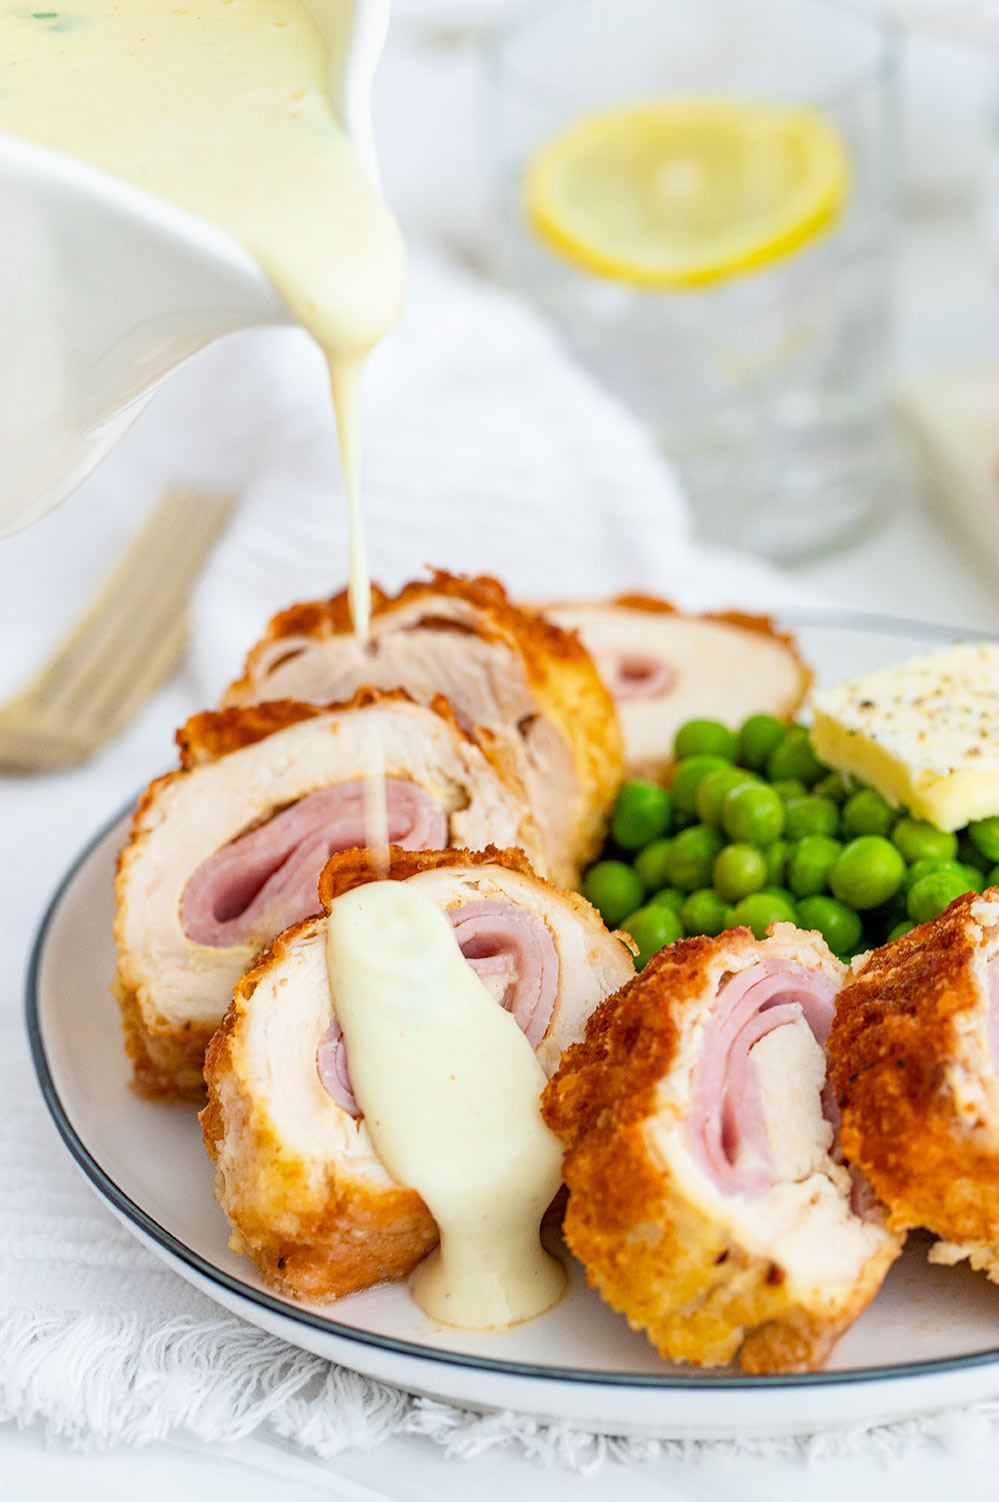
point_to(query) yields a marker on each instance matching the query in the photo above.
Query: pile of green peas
(753, 829)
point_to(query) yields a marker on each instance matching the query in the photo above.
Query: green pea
(757, 738)
(642, 812)
(652, 928)
(652, 864)
(668, 897)
(787, 788)
(917, 839)
(924, 866)
(992, 879)
(737, 871)
(866, 812)
(810, 815)
(753, 814)
(898, 931)
(704, 912)
(868, 871)
(810, 862)
(932, 893)
(761, 909)
(775, 855)
(692, 856)
(984, 835)
(794, 757)
(969, 853)
(835, 785)
(614, 889)
(713, 789)
(837, 923)
(686, 777)
(705, 738)
(974, 877)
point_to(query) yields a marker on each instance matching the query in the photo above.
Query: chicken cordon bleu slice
(664, 667)
(707, 1199)
(915, 1051)
(508, 671)
(296, 1172)
(227, 851)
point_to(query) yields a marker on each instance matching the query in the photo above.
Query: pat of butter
(925, 734)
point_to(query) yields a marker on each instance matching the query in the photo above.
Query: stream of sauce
(450, 1089)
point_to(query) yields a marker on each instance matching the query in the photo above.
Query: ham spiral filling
(633, 675)
(512, 953)
(268, 879)
(727, 1127)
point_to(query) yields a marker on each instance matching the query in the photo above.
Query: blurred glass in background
(766, 386)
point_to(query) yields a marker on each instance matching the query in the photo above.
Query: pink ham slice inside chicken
(633, 675)
(268, 879)
(726, 1124)
(513, 954)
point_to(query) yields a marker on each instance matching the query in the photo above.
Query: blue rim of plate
(143, 1222)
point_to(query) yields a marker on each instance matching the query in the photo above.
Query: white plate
(929, 1339)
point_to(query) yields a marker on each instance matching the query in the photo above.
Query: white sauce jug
(105, 288)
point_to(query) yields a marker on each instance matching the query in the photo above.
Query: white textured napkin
(486, 450)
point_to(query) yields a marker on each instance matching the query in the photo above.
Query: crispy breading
(352, 868)
(913, 1071)
(656, 1254)
(565, 713)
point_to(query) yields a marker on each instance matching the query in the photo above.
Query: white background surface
(949, 312)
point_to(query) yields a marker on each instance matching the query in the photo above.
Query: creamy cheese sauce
(222, 107)
(450, 1091)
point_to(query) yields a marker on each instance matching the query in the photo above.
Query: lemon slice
(686, 191)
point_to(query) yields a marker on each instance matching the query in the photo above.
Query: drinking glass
(766, 389)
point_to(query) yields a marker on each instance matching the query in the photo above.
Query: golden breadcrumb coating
(565, 689)
(655, 1253)
(913, 1071)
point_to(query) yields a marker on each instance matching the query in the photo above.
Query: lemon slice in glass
(686, 191)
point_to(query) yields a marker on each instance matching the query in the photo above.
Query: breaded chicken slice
(296, 1170)
(505, 670)
(707, 1199)
(664, 666)
(227, 851)
(915, 1051)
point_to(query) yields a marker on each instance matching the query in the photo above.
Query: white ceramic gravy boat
(105, 289)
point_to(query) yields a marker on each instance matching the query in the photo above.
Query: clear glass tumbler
(768, 389)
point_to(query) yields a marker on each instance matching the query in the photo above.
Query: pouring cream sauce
(222, 107)
(450, 1090)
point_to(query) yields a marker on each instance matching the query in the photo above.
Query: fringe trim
(94, 1382)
